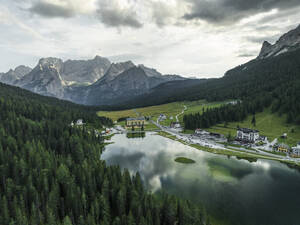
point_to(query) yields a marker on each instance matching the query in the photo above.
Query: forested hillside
(273, 81)
(51, 173)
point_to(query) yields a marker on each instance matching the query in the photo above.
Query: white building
(175, 125)
(247, 135)
(79, 122)
(296, 150)
(162, 117)
(201, 132)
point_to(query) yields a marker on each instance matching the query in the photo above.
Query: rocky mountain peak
(115, 69)
(265, 49)
(22, 70)
(286, 43)
(13, 75)
(50, 63)
(99, 58)
(150, 72)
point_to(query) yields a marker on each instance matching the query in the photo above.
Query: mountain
(84, 71)
(122, 82)
(286, 43)
(272, 81)
(171, 91)
(45, 78)
(114, 70)
(90, 82)
(13, 75)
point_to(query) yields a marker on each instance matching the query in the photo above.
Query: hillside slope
(51, 172)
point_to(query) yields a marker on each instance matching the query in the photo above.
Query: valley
(206, 132)
(213, 181)
(265, 124)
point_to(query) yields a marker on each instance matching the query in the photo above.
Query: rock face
(84, 71)
(116, 69)
(288, 42)
(90, 82)
(122, 82)
(13, 75)
(45, 78)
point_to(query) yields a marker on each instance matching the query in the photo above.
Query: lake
(237, 191)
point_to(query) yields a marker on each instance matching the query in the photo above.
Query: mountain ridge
(94, 81)
(289, 41)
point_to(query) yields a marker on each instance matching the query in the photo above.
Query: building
(247, 135)
(216, 135)
(263, 138)
(162, 117)
(295, 152)
(284, 136)
(175, 125)
(136, 122)
(201, 132)
(79, 122)
(283, 148)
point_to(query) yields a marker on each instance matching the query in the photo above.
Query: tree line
(51, 173)
(226, 113)
(278, 78)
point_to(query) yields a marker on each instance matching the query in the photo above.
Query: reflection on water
(136, 135)
(262, 192)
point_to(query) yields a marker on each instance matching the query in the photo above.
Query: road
(182, 112)
(191, 139)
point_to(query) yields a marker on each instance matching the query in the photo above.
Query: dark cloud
(161, 13)
(51, 10)
(112, 15)
(261, 39)
(246, 55)
(231, 11)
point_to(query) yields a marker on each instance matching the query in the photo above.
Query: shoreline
(232, 152)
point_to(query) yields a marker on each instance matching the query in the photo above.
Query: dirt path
(184, 109)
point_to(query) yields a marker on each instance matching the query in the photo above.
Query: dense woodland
(51, 173)
(273, 82)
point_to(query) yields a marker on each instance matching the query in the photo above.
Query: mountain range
(90, 82)
(99, 82)
(274, 70)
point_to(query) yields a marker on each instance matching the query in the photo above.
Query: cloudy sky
(194, 38)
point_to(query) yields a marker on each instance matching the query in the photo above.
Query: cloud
(126, 57)
(166, 12)
(114, 13)
(232, 11)
(52, 10)
(261, 39)
(246, 55)
(7, 18)
(62, 8)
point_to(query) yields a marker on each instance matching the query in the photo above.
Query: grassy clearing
(170, 110)
(270, 125)
(199, 106)
(184, 160)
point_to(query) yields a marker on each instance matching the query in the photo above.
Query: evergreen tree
(253, 121)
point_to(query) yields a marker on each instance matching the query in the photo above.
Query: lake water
(258, 193)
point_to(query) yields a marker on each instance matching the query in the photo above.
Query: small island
(184, 160)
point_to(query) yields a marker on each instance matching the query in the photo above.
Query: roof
(282, 145)
(247, 130)
(138, 118)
